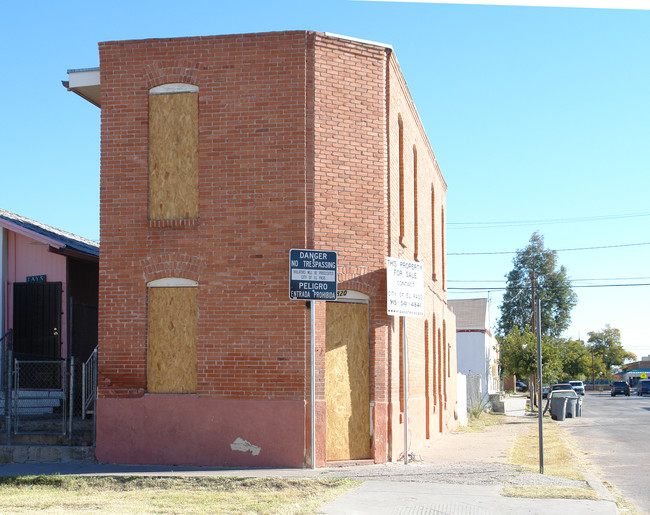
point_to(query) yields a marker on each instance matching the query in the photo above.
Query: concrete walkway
(389, 497)
(464, 473)
(461, 473)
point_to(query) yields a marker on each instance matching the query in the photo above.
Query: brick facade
(297, 148)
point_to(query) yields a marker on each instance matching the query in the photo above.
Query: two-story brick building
(219, 155)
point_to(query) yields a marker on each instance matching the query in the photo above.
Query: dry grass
(223, 495)
(559, 460)
(482, 422)
(545, 492)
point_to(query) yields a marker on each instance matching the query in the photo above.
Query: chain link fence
(51, 399)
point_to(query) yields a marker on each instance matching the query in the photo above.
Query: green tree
(576, 360)
(518, 355)
(552, 287)
(606, 346)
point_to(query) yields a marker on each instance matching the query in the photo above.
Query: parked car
(560, 387)
(521, 386)
(578, 386)
(561, 390)
(643, 387)
(621, 387)
(545, 390)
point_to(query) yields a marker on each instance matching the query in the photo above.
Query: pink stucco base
(191, 430)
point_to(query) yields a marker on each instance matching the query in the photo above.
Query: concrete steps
(46, 454)
(35, 402)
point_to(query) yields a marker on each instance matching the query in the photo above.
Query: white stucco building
(477, 346)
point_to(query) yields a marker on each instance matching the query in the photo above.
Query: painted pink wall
(164, 429)
(27, 257)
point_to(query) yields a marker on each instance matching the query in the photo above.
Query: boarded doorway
(347, 391)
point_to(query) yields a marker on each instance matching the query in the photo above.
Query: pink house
(49, 290)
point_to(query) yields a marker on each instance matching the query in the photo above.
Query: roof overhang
(55, 246)
(635, 372)
(23, 231)
(85, 83)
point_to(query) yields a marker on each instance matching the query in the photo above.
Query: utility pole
(533, 325)
(593, 370)
(534, 331)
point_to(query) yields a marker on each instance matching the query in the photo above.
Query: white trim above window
(176, 87)
(172, 282)
(351, 296)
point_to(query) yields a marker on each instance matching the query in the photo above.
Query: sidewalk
(463, 473)
(460, 473)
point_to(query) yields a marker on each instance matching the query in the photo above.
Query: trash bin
(572, 407)
(579, 408)
(558, 408)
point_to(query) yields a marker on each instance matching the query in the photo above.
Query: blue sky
(539, 118)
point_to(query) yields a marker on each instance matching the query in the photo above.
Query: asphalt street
(613, 434)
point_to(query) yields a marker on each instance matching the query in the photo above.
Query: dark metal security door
(37, 320)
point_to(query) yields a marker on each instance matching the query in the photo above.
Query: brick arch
(172, 265)
(359, 278)
(172, 72)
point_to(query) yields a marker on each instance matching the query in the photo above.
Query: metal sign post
(540, 414)
(312, 386)
(405, 298)
(406, 397)
(312, 276)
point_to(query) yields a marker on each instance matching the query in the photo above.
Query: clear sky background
(539, 118)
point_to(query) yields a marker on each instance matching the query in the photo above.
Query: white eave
(85, 83)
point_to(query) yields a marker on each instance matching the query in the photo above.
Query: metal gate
(47, 397)
(42, 396)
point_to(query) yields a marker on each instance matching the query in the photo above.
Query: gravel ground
(467, 458)
(466, 473)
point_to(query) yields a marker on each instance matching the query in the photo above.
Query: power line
(571, 279)
(611, 279)
(556, 250)
(503, 288)
(521, 223)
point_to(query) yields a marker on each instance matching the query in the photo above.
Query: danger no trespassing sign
(312, 274)
(405, 288)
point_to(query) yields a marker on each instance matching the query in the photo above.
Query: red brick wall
(434, 361)
(297, 149)
(351, 205)
(251, 203)
(252, 341)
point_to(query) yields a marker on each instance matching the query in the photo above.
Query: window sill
(180, 223)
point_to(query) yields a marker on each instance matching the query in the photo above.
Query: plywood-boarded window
(173, 321)
(173, 152)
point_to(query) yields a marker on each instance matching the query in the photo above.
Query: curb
(598, 487)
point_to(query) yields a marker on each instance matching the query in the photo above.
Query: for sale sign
(405, 288)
